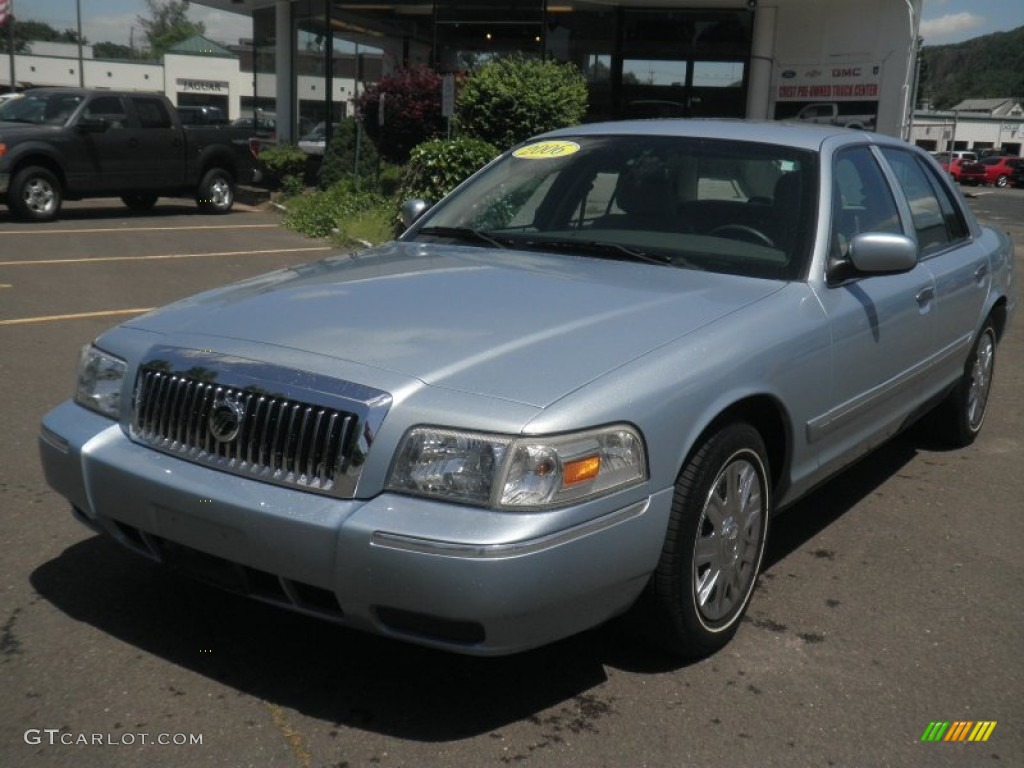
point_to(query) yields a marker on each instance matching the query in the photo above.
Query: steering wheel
(743, 232)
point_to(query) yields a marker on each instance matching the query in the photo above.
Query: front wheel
(216, 192)
(713, 547)
(35, 194)
(1002, 181)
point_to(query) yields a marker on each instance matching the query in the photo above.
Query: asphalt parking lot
(891, 597)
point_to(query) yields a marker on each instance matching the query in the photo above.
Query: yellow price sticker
(546, 150)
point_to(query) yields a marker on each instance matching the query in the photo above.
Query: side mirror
(874, 253)
(92, 125)
(412, 210)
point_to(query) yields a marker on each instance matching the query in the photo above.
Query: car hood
(525, 327)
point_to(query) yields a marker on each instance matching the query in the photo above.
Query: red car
(998, 170)
(963, 167)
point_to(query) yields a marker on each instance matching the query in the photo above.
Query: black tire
(961, 415)
(139, 202)
(216, 192)
(35, 194)
(702, 586)
(1002, 181)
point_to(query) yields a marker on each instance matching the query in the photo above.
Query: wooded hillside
(987, 67)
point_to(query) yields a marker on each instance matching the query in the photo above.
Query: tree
(114, 51)
(29, 31)
(170, 25)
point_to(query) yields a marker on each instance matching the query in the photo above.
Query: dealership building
(733, 58)
(845, 60)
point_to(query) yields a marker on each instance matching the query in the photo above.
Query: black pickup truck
(61, 144)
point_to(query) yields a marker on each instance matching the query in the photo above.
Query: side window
(152, 113)
(861, 199)
(108, 108)
(937, 218)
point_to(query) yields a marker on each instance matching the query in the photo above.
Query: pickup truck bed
(68, 144)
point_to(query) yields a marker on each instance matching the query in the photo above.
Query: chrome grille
(276, 438)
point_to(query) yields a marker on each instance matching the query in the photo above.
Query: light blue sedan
(579, 386)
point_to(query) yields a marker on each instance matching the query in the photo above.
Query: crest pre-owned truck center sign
(830, 82)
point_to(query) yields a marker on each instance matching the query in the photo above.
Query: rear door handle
(981, 273)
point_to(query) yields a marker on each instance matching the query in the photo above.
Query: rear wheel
(962, 413)
(713, 547)
(139, 202)
(216, 192)
(1002, 180)
(35, 194)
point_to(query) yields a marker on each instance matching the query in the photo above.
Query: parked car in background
(202, 115)
(263, 130)
(580, 386)
(999, 168)
(1017, 177)
(315, 142)
(829, 113)
(970, 173)
(991, 152)
(74, 143)
(264, 125)
(962, 166)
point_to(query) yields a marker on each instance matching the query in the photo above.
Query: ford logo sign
(225, 419)
(788, 74)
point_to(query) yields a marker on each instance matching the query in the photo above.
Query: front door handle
(925, 295)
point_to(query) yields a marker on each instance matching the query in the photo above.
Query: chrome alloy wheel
(729, 538)
(39, 196)
(981, 381)
(220, 192)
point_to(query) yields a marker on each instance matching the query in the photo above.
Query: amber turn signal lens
(580, 470)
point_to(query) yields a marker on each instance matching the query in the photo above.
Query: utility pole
(81, 61)
(9, 19)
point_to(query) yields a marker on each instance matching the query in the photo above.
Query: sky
(942, 21)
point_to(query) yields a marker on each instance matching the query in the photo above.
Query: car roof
(805, 136)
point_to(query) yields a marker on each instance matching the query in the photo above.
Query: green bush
(436, 167)
(328, 213)
(340, 156)
(279, 161)
(513, 98)
(389, 179)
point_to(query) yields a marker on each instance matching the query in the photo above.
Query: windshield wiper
(462, 233)
(603, 249)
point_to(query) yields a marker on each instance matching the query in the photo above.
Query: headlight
(517, 473)
(99, 381)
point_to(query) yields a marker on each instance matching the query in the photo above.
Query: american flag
(5, 10)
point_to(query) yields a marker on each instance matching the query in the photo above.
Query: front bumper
(447, 576)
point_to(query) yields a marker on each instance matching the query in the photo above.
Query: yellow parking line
(27, 263)
(105, 230)
(77, 316)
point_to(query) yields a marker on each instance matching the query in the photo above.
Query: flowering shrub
(412, 111)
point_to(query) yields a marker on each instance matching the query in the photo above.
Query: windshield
(724, 206)
(40, 109)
